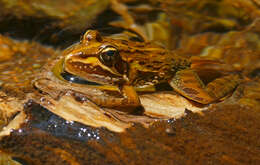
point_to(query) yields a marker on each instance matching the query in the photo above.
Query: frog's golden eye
(109, 56)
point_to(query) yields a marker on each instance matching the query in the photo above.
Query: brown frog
(128, 67)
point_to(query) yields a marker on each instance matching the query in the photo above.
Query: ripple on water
(45, 120)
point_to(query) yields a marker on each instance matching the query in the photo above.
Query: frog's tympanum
(128, 67)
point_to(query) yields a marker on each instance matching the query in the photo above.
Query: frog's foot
(188, 83)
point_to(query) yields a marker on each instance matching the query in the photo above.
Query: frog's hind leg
(188, 83)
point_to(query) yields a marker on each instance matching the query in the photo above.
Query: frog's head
(94, 59)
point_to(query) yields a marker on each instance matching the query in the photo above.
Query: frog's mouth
(63, 75)
(76, 79)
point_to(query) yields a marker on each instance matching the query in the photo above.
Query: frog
(132, 67)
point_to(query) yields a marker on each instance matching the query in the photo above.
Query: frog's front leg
(188, 83)
(128, 101)
(131, 98)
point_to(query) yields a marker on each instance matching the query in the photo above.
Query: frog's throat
(58, 69)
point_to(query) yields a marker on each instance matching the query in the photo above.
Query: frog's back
(149, 63)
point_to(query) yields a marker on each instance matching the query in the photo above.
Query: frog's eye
(109, 56)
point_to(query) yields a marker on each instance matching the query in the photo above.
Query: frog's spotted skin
(138, 66)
